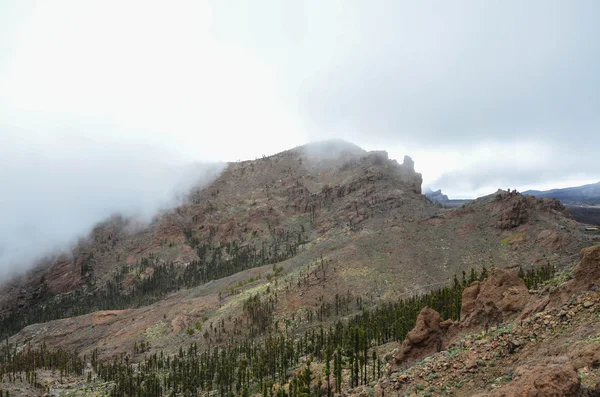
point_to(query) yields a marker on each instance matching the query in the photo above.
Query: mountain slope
(545, 343)
(306, 237)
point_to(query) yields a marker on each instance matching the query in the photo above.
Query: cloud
(530, 165)
(453, 73)
(55, 190)
(457, 77)
(143, 71)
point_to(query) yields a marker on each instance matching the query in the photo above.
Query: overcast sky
(482, 94)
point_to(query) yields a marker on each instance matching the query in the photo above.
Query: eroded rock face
(486, 303)
(407, 174)
(424, 339)
(511, 209)
(586, 276)
(585, 356)
(587, 272)
(513, 213)
(436, 196)
(552, 380)
(409, 163)
(550, 239)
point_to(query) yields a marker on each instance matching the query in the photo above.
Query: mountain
(586, 194)
(436, 196)
(582, 201)
(275, 263)
(440, 198)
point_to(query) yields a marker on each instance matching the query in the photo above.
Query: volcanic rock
(424, 339)
(486, 303)
(511, 209)
(586, 276)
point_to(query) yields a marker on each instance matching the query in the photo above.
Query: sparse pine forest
(269, 360)
(216, 261)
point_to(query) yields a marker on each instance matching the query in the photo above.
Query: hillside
(280, 247)
(545, 342)
(583, 201)
(586, 194)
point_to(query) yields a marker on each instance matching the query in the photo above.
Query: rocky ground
(551, 347)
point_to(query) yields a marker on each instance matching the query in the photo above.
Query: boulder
(586, 276)
(535, 305)
(424, 339)
(487, 303)
(587, 272)
(585, 355)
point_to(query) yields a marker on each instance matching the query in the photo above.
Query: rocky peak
(408, 163)
(436, 196)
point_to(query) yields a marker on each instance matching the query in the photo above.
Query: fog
(109, 108)
(54, 192)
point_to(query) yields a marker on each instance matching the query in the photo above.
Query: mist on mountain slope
(481, 97)
(54, 192)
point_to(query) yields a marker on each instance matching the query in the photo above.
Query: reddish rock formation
(511, 209)
(586, 355)
(586, 276)
(587, 272)
(486, 303)
(425, 338)
(535, 305)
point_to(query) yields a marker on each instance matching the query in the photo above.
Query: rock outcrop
(425, 338)
(484, 304)
(587, 272)
(408, 175)
(586, 277)
(550, 350)
(550, 239)
(511, 209)
(408, 163)
(490, 302)
(436, 196)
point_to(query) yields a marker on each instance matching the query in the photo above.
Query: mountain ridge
(584, 194)
(307, 238)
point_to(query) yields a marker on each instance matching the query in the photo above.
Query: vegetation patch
(512, 238)
(155, 331)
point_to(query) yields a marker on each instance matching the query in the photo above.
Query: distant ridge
(586, 194)
(582, 201)
(440, 198)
